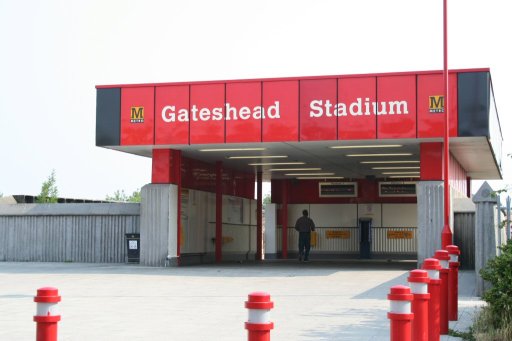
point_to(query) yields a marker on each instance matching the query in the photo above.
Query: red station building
(364, 153)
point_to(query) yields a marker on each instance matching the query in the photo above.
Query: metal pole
(446, 235)
(498, 204)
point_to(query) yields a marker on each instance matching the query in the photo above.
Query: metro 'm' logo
(137, 115)
(436, 104)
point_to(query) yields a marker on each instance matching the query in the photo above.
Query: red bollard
(434, 288)
(418, 281)
(453, 282)
(400, 315)
(47, 314)
(443, 257)
(259, 326)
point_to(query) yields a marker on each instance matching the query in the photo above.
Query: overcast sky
(53, 53)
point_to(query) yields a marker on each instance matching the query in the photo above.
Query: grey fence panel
(92, 233)
(464, 238)
(382, 244)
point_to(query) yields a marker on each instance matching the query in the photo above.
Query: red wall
(306, 191)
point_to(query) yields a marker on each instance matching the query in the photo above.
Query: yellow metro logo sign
(436, 104)
(137, 115)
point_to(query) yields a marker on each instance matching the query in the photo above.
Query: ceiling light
(308, 174)
(369, 146)
(258, 157)
(230, 149)
(319, 177)
(401, 173)
(292, 169)
(275, 163)
(405, 167)
(403, 176)
(363, 155)
(395, 161)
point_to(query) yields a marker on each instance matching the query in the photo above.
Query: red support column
(400, 315)
(418, 281)
(259, 215)
(176, 175)
(284, 221)
(258, 325)
(453, 282)
(443, 257)
(218, 212)
(46, 314)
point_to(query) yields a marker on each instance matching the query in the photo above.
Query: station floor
(319, 300)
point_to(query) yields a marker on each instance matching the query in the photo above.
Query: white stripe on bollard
(400, 307)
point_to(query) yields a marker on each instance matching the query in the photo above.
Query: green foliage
(267, 199)
(49, 192)
(120, 195)
(466, 336)
(498, 272)
(483, 328)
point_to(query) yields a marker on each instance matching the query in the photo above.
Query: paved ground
(313, 301)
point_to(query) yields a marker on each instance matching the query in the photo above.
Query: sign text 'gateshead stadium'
(317, 108)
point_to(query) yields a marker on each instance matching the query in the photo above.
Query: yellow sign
(137, 115)
(227, 239)
(314, 238)
(400, 234)
(436, 104)
(336, 234)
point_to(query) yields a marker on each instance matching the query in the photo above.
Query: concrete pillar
(485, 232)
(430, 218)
(158, 225)
(270, 231)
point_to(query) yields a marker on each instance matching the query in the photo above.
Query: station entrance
(363, 153)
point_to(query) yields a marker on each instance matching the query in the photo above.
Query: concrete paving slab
(342, 300)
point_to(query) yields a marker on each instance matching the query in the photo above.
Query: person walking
(304, 225)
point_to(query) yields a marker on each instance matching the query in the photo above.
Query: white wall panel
(399, 215)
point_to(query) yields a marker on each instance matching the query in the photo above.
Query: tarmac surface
(319, 300)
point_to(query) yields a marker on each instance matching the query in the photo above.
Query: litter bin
(133, 247)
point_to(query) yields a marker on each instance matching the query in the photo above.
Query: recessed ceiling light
(403, 176)
(308, 174)
(275, 163)
(292, 169)
(401, 173)
(231, 149)
(404, 167)
(258, 157)
(394, 161)
(319, 177)
(364, 155)
(369, 146)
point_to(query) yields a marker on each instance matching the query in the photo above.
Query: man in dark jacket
(304, 225)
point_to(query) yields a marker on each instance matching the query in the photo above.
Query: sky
(53, 53)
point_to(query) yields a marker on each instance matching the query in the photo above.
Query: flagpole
(446, 234)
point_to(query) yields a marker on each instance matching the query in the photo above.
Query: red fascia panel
(171, 115)
(318, 100)
(354, 124)
(430, 122)
(137, 116)
(243, 101)
(396, 107)
(281, 104)
(207, 113)
(431, 161)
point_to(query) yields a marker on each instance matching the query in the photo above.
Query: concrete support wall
(92, 233)
(430, 218)
(270, 231)
(486, 232)
(158, 225)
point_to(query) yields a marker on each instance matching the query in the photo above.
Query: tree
(120, 195)
(49, 192)
(267, 199)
